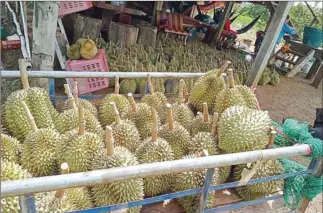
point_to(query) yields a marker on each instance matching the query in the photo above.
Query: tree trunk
(44, 35)
(123, 33)
(147, 34)
(86, 26)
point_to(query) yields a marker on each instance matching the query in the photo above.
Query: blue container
(313, 37)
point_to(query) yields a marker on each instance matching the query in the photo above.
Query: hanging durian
(38, 102)
(181, 112)
(202, 122)
(12, 171)
(235, 96)
(118, 191)
(10, 148)
(140, 115)
(106, 114)
(79, 147)
(155, 149)
(156, 100)
(125, 132)
(73, 52)
(175, 134)
(88, 49)
(242, 129)
(68, 120)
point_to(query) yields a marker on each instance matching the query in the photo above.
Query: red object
(97, 64)
(68, 7)
(10, 45)
(125, 19)
(227, 25)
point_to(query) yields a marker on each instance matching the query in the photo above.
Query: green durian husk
(140, 86)
(157, 151)
(203, 141)
(158, 101)
(100, 43)
(10, 148)
(274, 79)
(171, 86)
(118, 191)
(265, 77)
(73, 52)
(86, 105)
(197, 124)
(106, 114)
(128, 86)
(183, 115)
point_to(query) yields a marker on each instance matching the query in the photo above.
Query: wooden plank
(227, 11)
(118, 9)
(304, 49)
(314, 69)
(268, 43)
(284, 59)
(318, 77)
(301, 64)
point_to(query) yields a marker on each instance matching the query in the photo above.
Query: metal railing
(25, 188)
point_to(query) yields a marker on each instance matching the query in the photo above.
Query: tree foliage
(254, 10)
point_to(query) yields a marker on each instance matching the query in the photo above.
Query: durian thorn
(30, 117)
(76, 92)
(81, 114)
(150, 85)
(181, 91)
(81, 128)
(64, 170)
(116, 85)
(132, 102)
(109, 140)
(215, 124)
(116, 113)
(71, 100)
(230, 78)
(154, 133)
(223, 68)
(170, 117)
(205, 113)
(23, 73)
(271, 139)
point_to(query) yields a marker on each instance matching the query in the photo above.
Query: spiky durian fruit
(176, 135)
(106, 114)
(125, 132)
(274, 78)
(140, 115)
(119, 191)
(68, 120)
(80, 42)
(259, 190)
(211, 81)
(10, 148)
(79, 147)
(155, 149)
(242, 129)
(202, 122)
(181, 112)
(128, 86)
(191, 180)
(235, 96)
(11, 171)
(38, 152)
(88, 49)
(156, 100)
(73, 52)
(265, 77)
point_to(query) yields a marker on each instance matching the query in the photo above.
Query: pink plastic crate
(97, 64)
(68, 7)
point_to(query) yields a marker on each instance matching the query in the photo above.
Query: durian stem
(154, 133)
(116, 85)
(271, 139)
(132, 102)
(23, 73)
(185, 93)
(76, 93)
(230, 78)
(170, 117)
(71, 100)
(81, 114)
(181, 91)
(205, 113)
(223, 68)
(109, 141)
(215, 124)
(64, 170)
(150, 85)
(115, 112)
(81, 128)
(30, 117)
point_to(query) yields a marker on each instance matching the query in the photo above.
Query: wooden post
(227, 11)
(157, 6)
(318, 78)
(269, 42)
(123, 33)
(87, 26)
(314, 69)
(44, 37)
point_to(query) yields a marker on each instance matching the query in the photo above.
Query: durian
(265, 77)
(140, 115)
(242, 129)
(176, 135)
(235, 96)
(155, 149)
(211, 81)
(128, 86)
(10, 148)
(106, 114)
(118, 191)
(202, 122)
(125, 132)
(79, 147)
(12, 171)
(73, 52)
(100, 43)
(156, 100)
(274, 78)
(88, 49)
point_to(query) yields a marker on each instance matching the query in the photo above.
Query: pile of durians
(121, 132)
